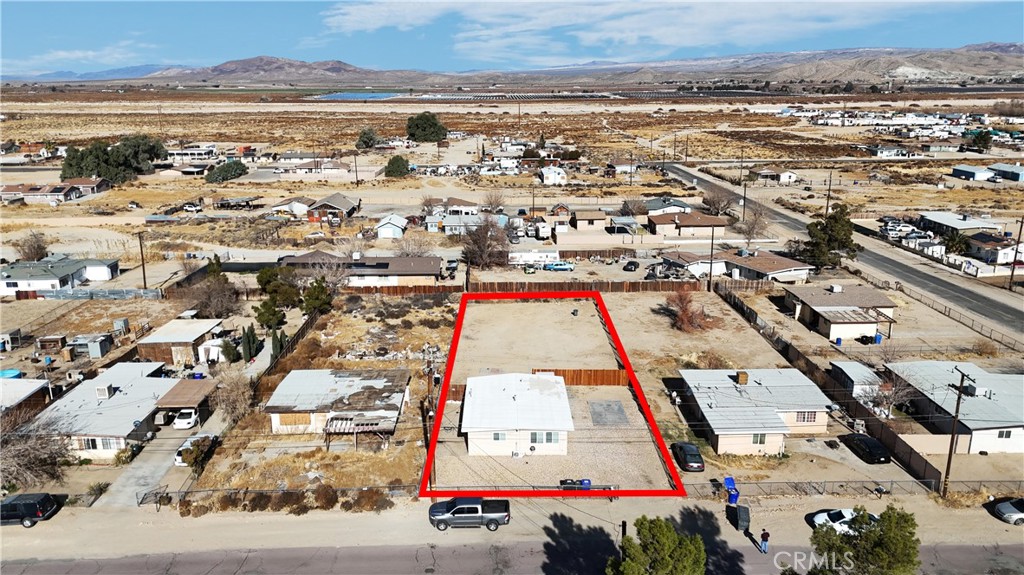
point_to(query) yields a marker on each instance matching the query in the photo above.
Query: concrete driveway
(147, 470)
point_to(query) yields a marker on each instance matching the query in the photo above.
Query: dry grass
(961, 499)
(752, 462)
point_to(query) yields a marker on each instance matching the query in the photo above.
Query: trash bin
(585, 484)
(567, 484)
(839, 341)
(878, 339)
(742, 518)
(730, 487)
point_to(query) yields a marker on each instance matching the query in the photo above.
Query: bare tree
(427, 203)
(188, 265)
(494, 199)
(334, 270)
(685, 316)
(755, 225)
(32, 247)
(892, 391)
(234, 394)
(486, 246)
(718, 201)
(33, 449)
(413, 246)
(216, 297)
(633, 206)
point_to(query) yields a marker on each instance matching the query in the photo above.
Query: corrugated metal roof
(509, 401)
(938, 380)
(182, 331)
(956, 221)
(857, 372)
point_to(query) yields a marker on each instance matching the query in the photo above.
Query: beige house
(516, 415)
(842, 312)
(363, 271)
(686, 224)
(750, 412)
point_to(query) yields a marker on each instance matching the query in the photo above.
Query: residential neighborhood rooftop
(182, 330)
(959, 222)
(851, 296)
(520, 401)
(137, 388)
(14, 391)
(997, 399)
(309, 390)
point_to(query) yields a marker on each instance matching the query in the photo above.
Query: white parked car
(192, 208)
(186, 419)
(278, 170)
(839, 519)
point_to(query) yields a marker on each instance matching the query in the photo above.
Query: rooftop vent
(742, 377)
(835, 288)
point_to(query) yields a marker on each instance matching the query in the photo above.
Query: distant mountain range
(990, 60)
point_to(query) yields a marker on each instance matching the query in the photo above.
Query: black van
(27, 508)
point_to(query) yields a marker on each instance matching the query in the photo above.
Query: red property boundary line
(427, 491)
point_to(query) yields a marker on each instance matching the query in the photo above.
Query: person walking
(764, 540)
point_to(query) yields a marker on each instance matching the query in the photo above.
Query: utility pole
(686, 149)
(673, 147)
(142, 254)
(711, 266)
(952, 430)
(743, 216)
(355, 162)
(631, 168)
(828, 195)
(1016, 252)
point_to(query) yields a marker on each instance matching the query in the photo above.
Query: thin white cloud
(543, 33)
(125, 52)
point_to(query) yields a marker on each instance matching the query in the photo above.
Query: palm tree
(956, 242)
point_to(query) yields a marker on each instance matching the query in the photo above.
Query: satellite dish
(136, 423)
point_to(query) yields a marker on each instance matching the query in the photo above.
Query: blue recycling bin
(839, 341)
(730, 487)
(878, 339)
(585, 484)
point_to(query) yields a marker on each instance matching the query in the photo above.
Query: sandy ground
(521, 336)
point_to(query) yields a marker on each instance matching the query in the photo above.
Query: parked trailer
(533, 257)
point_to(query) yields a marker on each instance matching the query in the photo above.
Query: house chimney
(741, 377)
(675, 219)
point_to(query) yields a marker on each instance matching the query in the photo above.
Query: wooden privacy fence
(595, 377)
(405, 290)
(605, 286)
(605, 253)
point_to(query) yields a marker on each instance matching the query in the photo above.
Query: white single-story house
(666, 205)
(116, 407)
(322, 167)
(991, 409)
(460, 225)
(391, 226)
(784, 177)
(516, 415)
(192, 154)
(942, 223)
(841, 312)
(458, 207)
(297, 207)
(89, 185)
(339, 401)
(765, 265)
(36, 194)
(368, 271)
(749, 412)
(432, 223)
(553, 176)
(302, 157)
(994, 249)
(55, 271)
(695, 264)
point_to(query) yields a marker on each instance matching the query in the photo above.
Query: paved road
(922, 279)
(573, 556)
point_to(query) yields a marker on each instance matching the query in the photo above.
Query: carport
(186, 394)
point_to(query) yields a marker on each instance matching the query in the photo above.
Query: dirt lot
(623, 455)
(974, 467)
(519, 336)
(364, 332)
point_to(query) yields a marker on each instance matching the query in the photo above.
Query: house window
(499, 436)
(543, 437)
(759, 439)
(109, 443)
(12, 284)
(86, 443)
(1004, 434)
(806, 416)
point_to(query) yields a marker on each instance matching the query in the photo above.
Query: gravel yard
(622, 453)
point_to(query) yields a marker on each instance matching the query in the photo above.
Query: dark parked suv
(27, 508)
(867, 448)
(688, 456)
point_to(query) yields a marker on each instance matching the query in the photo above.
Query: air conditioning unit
(836, 288)
(105, 391)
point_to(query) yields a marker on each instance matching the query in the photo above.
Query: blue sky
(83, 36)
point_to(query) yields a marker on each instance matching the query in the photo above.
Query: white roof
(956, 221)
(182, 330)
(135, 397)
(370, 392)
(511, 401)
(394, 220)
(734, 409)
(858, 373)
(14, 391)
(938, 381)
(972, 169)
(1007, 168)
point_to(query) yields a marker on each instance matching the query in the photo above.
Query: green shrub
(97, 489)
(228, 171)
